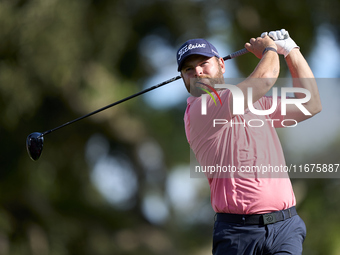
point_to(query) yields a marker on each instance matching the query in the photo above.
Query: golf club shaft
(231, 56)
(113, 104)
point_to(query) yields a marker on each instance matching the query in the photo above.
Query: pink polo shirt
(248, 144)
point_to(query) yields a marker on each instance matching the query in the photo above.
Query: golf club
(35, 141)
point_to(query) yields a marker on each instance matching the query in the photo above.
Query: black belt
(257, 219)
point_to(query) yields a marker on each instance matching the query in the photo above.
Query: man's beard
(198, 85)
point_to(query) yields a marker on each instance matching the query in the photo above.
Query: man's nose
(198, 71)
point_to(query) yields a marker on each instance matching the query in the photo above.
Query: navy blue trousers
(283, 237)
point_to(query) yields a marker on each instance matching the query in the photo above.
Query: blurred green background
(118, 182)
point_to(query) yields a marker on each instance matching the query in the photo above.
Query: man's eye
(188, 69)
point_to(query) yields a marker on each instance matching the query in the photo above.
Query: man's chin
(199, 86)
(196, 92)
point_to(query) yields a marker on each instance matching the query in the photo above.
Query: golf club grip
(236, 54)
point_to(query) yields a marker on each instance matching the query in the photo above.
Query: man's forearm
(266, 72)
(297, 65)
(268, 67)
(303, 77)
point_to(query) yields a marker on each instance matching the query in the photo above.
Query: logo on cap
(187, 47)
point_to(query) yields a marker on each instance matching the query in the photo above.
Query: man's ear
(188, 88)
(222, 64)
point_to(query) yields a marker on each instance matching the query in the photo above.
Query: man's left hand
(282, 40)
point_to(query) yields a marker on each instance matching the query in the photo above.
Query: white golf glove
(282, 40)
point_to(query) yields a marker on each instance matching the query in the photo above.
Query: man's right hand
(257, 46)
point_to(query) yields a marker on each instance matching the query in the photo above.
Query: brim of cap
(194, 53)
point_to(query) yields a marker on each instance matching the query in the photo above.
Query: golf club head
(34, 145)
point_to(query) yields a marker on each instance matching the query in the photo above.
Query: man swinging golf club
(255, 214)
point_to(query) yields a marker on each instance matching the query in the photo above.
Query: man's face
(199, 70)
